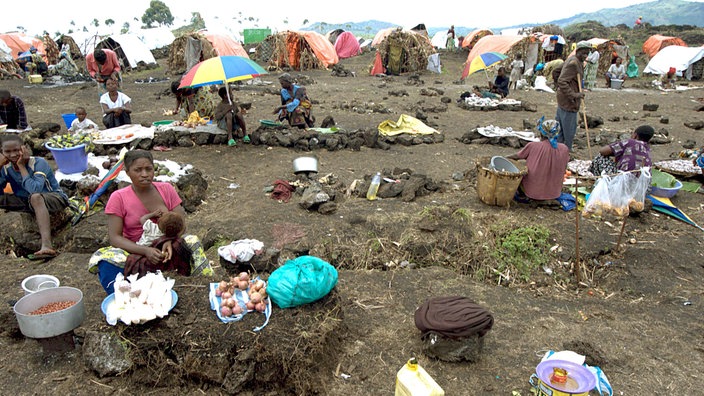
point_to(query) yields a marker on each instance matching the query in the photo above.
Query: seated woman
(188, 100)
(116, 106)
(65, 67)
(624, 155)
(295, 105)
(617, 71)
(500, 84)
(125, 208)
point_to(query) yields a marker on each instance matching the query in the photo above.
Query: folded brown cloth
(282, 190)
(453, 317)
(180, 259)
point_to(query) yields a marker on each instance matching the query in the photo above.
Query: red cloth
(180, 259)
(282, 191)
(546, 169)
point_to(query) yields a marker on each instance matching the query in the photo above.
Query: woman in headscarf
(590, 69)
(66, 67)
(546, 161)
(295, 105)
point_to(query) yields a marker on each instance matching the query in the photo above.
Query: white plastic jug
(413, 380)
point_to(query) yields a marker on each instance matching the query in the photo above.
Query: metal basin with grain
(54, 323)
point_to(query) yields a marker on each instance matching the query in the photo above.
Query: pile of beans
(53, 307)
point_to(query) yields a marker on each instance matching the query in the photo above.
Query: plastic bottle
(374, 187)
(413, 380)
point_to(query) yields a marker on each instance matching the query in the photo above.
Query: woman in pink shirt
(124, 209)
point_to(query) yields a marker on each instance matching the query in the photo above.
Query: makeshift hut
(72, 46)
(19, 42)
(130, 50)
(7, 59)
(225, 45)
(381, 35)
(157, 37)
(439, 39)
(608, 51)
(52, 50)
(333, 35)
(420, 29)
(299, 50)
(187, 50)
(471, 39)
(402, 51)
(347, 46)
(689, 62)
(656, 42)
(527, 46)
(553, 46)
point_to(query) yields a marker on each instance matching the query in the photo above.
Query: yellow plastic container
(413, 380)
(35, 79)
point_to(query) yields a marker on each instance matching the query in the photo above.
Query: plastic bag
(620, 194)
(301, 281)
(639, 189)
(599, 200)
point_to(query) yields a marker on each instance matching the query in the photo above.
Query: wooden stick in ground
(623, 227)
(584, 114)
(577, 268)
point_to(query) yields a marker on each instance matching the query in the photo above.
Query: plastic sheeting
(681, 58)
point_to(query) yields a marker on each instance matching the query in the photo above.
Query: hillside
(663, 12)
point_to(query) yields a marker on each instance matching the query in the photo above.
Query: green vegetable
(661, 179)
(69, 141)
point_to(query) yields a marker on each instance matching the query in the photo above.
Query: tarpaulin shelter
(684, 59)
(607, 49)
(299, 50)
(189, 49)
(333, 34)
(129, 48)
(527, 46)
(656, 42)
(20, 42)
(7, 59)
(381, 35)
(346, 45)
(471, 39)
(157, 37)
(439, 39)
(402, 51)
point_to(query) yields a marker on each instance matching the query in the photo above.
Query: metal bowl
(54, 323)
(35, 283)
(305, 164)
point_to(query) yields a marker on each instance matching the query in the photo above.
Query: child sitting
(81, 123)
(165, 236)
(229, 118)
(629, 155)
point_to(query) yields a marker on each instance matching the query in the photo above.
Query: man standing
(103, 65)
(569, 93)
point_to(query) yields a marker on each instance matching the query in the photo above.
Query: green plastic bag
(301, 281)
(632, 70)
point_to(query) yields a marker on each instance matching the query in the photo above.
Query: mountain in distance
(656, 13)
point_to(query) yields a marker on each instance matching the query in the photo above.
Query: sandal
(246, 139)
(231, 142)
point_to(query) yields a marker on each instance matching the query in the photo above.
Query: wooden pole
(577, 267)
(584, 114)
(623, 227)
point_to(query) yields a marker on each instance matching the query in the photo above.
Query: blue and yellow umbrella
(483, 61)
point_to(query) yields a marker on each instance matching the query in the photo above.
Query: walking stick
(620, 235)
(577, 268)
(584, 114)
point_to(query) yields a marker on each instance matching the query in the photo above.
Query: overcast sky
(54, 16)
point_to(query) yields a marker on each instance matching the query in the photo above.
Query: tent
(471, 39)
(76, 52)
(300, 50)
(681, 58)
(656, 42)
(402, 51)
(129, 48)
(5, 53)
(527, 46)
(333, 34)
(191, 48)
(19, 42)
(157, 37)
(439, 39)
(225, 45)
(346, 45)
(85, 41)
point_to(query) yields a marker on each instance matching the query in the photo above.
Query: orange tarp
(19, 42)
(656, 42)
(322, 48)
(225, 45)
(501, 44)
(474, 36)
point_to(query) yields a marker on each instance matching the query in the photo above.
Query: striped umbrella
(483, 61)
(221, 70)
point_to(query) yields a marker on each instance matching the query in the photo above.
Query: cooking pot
(578, 382)
(54, 323)
(35, 283)
(305, 164)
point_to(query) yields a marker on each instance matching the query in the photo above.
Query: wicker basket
(497, 188)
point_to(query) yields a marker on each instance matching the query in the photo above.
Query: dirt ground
(636, 314)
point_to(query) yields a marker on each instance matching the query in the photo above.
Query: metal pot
(305, 164)
(54, 323)
(35, 283)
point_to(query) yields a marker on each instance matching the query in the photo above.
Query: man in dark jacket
(569, 95)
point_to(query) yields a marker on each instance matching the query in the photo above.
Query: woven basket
(495, 187)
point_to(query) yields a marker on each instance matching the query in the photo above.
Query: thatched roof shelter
(402, 51)
(188, 50)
